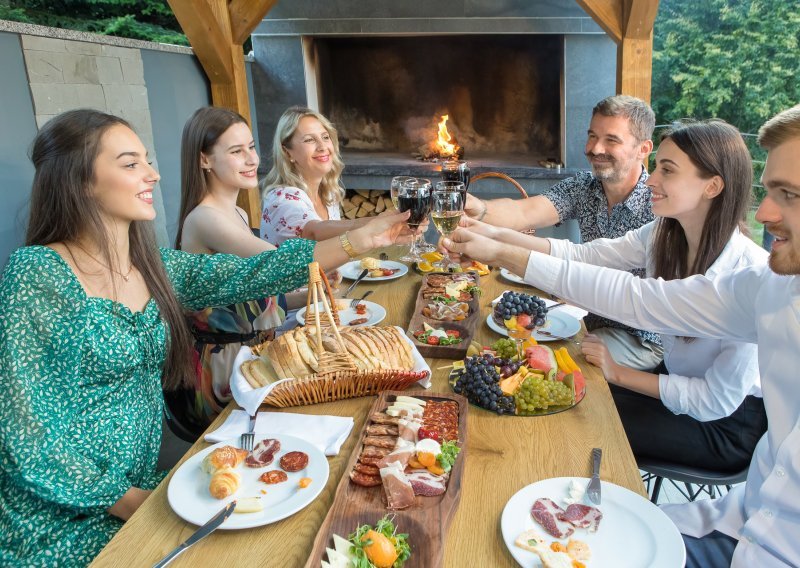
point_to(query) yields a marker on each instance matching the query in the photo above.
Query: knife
(200, 533)
(359, 279)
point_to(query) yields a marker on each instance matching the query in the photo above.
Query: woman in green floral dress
(91, 328)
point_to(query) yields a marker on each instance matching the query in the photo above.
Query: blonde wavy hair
(283, 172)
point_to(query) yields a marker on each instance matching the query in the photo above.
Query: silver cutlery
(248, 438)
(357, 301)
(554, 306)
(199, 534)
(593, 489)
(356, 281)
(554, 336)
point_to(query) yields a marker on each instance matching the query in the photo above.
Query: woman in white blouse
(702, 406)
(302, 193)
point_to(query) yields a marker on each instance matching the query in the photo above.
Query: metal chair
(707, 481)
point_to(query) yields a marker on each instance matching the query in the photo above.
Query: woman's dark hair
(63, 209)
(200, 134)
(716, 149)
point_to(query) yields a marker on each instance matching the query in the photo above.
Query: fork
(357, 301)
(248, 438)
(554, 336)
(593, 489)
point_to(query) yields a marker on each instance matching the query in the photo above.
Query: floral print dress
(285, 212)
(80, 415)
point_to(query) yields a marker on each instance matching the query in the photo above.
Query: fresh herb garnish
(448, 456)
(476, 291)
(445, 299)
(384, 526)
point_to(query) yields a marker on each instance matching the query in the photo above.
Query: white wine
(446, 221)
(395, 202)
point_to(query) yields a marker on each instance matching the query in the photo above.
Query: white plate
(558, 323)
(510, 276)
(375, 313)
(189, 497)
(633, 532)
(351, 270)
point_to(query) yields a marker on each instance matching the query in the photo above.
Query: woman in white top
(302, 193)
(703, 406)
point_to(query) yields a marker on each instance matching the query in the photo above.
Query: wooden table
(503, 455)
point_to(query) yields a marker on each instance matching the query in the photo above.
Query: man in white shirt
(757, 524)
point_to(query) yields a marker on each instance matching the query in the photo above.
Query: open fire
(445, 145)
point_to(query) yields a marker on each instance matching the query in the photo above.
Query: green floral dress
(81, 404)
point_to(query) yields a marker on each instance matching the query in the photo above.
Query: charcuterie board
(431, 290)
(426, 520)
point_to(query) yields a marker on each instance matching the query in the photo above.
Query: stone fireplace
(518, 80)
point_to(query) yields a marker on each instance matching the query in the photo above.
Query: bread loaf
(295, 355)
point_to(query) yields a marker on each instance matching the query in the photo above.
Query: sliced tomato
(433, 340)
(453, 333)
(428, 433)
(388, 271)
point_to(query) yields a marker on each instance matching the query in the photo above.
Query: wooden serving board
(466, 326)
(425, 522)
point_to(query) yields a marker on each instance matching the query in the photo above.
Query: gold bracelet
(347, 245)
(483, 213)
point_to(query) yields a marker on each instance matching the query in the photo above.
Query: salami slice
(381, 441)
(368, 469)
(263, 454)
(365, 480)
(382, 430)
(273, 476)
(375, 452)
(294, 461)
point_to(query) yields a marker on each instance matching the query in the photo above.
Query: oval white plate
(352, 269)
(558, 323)
(511, 277)
(189, 497)
(632, 533)
(375, 314)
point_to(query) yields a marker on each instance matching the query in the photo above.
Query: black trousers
(725, 445)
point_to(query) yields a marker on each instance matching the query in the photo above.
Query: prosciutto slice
(409, 428)
(548, 514)
(263, 453)
(401, 454)
(398, 489)
(582, 516)
(425, 483)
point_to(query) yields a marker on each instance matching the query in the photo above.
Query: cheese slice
(410, 400)
(249, 505)
(454, 288)
(337, 559)
(342, 546)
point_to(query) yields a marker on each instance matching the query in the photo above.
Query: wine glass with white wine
(447, 207)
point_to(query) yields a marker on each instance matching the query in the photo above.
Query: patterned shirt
(582, 198)
(285, 212)
(80, 415)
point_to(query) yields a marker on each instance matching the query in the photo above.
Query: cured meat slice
(380, 441)
(294, 461)
(368, 460)
(364, 479)
(382, 430)
(375, 452)
(401, 454)
(548, 514)
(398, 489)
(408, 429)
(263, 453)
(582, 516)
(426, 483)
(274, 476)
(383, 418)
(368, 469)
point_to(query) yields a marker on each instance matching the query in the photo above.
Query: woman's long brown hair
(63, 209)
(716, 149)
(200, 134)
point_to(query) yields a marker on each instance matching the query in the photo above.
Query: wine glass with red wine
(415, 196)
(456, 170)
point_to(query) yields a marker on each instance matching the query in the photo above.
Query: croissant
(224, 482)
(224, 457)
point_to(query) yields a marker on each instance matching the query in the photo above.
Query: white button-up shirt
(709, 378)
(751, 304)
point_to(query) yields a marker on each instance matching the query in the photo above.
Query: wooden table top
(504, 454)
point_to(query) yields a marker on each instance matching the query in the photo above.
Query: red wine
(418, 203)
(456, 171)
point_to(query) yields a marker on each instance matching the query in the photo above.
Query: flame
(443, 141)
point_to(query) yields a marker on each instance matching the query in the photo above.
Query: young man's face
(780, 210)
(613, 150)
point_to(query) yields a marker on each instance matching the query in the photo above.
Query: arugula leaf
(448, 456)
(386, 527)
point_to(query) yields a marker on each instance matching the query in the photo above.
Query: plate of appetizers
(365, 313)
(626, 530)
(281, 476)
(379, 270)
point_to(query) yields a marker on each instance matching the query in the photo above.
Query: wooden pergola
(217, 29)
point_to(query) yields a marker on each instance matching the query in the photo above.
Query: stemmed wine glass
(447, 207)
(415, 196)
(394, 188)
(456, 170)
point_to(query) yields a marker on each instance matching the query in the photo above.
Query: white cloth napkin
(250, 399)
(574, 311)
(328, 433)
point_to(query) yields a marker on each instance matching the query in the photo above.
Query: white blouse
(752, 305)
(708, 378)
(285, 212)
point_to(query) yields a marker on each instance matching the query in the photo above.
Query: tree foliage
(150, 20)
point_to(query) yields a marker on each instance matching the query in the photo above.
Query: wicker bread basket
(341, 377)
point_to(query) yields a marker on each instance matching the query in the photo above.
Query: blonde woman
(302, 194)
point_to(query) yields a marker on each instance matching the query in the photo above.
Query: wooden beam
(635, 67)
(210, 41)
(639, 17)
(245, 15)
(607, 14)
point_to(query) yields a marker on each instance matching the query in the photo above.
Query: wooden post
(216, 29)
